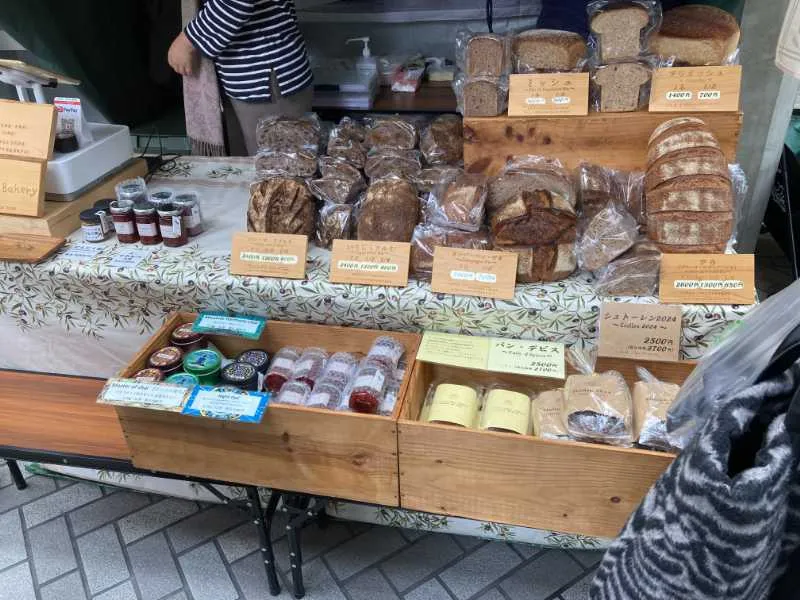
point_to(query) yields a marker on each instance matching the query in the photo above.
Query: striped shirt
(249, 39)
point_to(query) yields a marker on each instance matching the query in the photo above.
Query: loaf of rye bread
(635, 273)
(335, 223)
(346, 141)
(674, 140)
(694, 193)
(281, 205)
(335, 190)
(692, 249)
(696, 35)
(692, 123)
(622, 87)
(330, 166)
(483, 97)
(690, 228)
(297, 163)
(486, 54)
(287, 134)
(547, 51)
(458, 202)
(429, 178)
(389, 211)
(442, 141)
(388, 162)
(534, 217)
(551, 262)
(390, 132)
(692, 161)
(605, 236)
(618, 31)
(518, 177)
(427, 237)
(596, 188)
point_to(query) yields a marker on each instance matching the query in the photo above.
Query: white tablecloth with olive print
(88, 318)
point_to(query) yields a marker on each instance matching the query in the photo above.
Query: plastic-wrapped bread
(548, 415)
(458, 202)
(338, 167)
(605, 236)
(389, 211)
(651, 401)
(442, 141)
(620, 29)
(481, 96)
(693, 161)
(390, 132)
(385, 162)
(528, 174)
(427, 237)
(429, 178)
(543, 263)
(346, 141)
(534, 217)
(281, 205)
(482, 54)
(287, 134)
(295, 163)
(340, 182)
(697, 35)
(621, 87)
(335, 222)
(597, 186)
(635, 273)
(547, 51)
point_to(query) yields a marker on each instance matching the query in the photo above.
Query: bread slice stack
(689, 197)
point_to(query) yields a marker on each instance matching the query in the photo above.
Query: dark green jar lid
(202, 362)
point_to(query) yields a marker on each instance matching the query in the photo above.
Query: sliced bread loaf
(697, 193)
(682, 140)
(619, 31)
(621, 85)
(684, 123)
(483, 97)
(690, 228)
(696, 35)
(692, 249)
(486, 55)
(693, 161)
(547, 50)
(551, 262)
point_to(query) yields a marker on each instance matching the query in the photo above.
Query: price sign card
(527, 357)
(696, 89)
(640, 331)
(27, 130)
(269, 255)
(484, 273)
(129, 258)
(22, 187)
(144, 394)
(466, 351)
(708, 279)
(221, 324)
(81, 252)
(544, 94)
(370, 263)
(226, 404)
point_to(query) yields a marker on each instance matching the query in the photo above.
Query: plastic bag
(597, 406)
(651, 400)
(481, 96)
(458, 202)
(482, 54)
(389, 211)
(339, 168)
(70, 118)
(680, 36)
(427, 237)
(528, 173)
(734, 364)
(385, 162)
(286, 134)
(633, 196)
(341, 182)
(442, 141)
(621, 29)
(548, 51)
(390, 132)
(335, 222)
(545, 262)
(635, 273)
(346, 141)
(597, 186)
(605, 236)
(298, 163)
(621, 86)
(427, 179)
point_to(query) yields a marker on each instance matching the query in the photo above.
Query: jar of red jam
(310, 365)
(144, 214)
(168, 360)
(160, 196)
(369, 387)
(281, 367)
(170, 221)
(186, 339)
(134, 190)
(124, 223)
(192, 218)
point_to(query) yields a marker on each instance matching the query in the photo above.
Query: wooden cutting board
(15, 247)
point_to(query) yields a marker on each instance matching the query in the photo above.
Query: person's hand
(182, 55)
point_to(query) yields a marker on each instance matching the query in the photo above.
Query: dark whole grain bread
(693, 123)
(635, 273)
(696, 35)
(486, 54)
(597, 186)
(459, 202)
(391, 162)
(340, 168)
(335, 190)
(693, 193)
(536, 217)
(281, 205)
(442, 141)
(690, 228)
(390, 132)
(547, 50)
(518, 177)
(605, 236)
(427, 237)
(618, 30)
(335, 223)
(483, 97)
(289, 134)
(429, 178)
(621, 85)
(389, 211)
(692, 249)
(676, 139)
(551, 262)
(692, 161)
(297, 163)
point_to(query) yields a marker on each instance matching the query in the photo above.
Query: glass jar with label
(144, 214)
(369, 386)
(170, 221)
(134, 190)
(93, 225)
(192, 218)
(105, 206)
(124, 222)
(281, 367)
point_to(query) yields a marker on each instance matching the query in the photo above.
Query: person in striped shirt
(260, 58)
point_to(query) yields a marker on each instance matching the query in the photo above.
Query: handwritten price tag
(696, 89)
(548, 94)
(370, 263)
(640, 331)
(483, 273)
(708, 279)
(269, 255)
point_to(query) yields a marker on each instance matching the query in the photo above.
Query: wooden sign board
(269, 255)
(484, 273)
(15, 247)
(640, 331)
(696, 89)
(548, 94)
(707, 279)
(370, 263)
(22, 187)
(27, 130)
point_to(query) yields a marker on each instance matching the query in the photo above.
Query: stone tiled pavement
(64, 540)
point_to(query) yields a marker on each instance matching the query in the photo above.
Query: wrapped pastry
(335, 222)
(285, 134)
(390, 132)
(442, 141)
(635, 273)
(605, 236)
(281, 205)
(389, 211)
(652, 399)
(385, 162)
(458, 202)
(427, 237)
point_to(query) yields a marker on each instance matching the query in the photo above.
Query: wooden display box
(615, 140)
(315, 451)
(563, 486)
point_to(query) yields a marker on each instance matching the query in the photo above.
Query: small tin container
(149, 374)
(241, 375)
(204, 364)
(187, 340)
(168, 360)
(256, 357)
(184, 379)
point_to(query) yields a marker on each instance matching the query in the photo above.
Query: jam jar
(134, 190)
(168, 360)
(310, 365)
(204, 364)
(281, 367)
(369, 386)
(241, 375)
(192, 218)
(187, 340)
(124, 223)
(93, 225)
(149, 374)
(144, 214)
(160, 196)
(105, 206)
(170, 221)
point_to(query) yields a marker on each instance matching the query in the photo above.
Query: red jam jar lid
(166, 358)
(183, 335)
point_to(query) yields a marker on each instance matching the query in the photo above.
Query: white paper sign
(81, 252)
(129, 258)
(146, 394)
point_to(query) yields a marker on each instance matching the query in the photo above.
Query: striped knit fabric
(723, 521)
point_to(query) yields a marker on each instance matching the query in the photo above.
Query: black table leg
(16, 474)
(302, 510)
(296, 560)
(263, 522)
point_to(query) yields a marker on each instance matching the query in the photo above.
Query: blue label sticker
(227, 404)
(219, 323)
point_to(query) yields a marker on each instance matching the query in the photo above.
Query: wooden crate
(316, 451)
(617, 140)
(564, 486)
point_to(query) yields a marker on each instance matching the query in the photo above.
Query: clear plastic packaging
(547, 262)
(310, 365)
(481, 96)
(294, 392)
(369, 386)
(597, 406)
(339, 168)
(281, 205)
(339, 369)
(408, 78)
(324, 395)
(386, 162)
(458, 202)
(635, 273)
(390, 132)
(697, 35)
(537, 217)
(286, 134)
(597, 186)
(633, 196)
(528, 173)
(548, 419)
(605, 236)
(621, 29)
(389, 211)
(427, 237)
(295, 163)
(334, 222)
(160, 196)
(387, 350)
(483, 54)
(427, 179)
(134, 190)
(442, 141)
(621, 86)
(506, 410)
(548, 51)
(452, 404)
(346, 141)
(281, 368)
(651, 401)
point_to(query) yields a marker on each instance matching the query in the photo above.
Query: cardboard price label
(370, 263)
(27, 130)
(22, 187)
(269, 255)
(640, 331)
(484, 273)
(696, 89)
(707, 279)
(548, 94)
